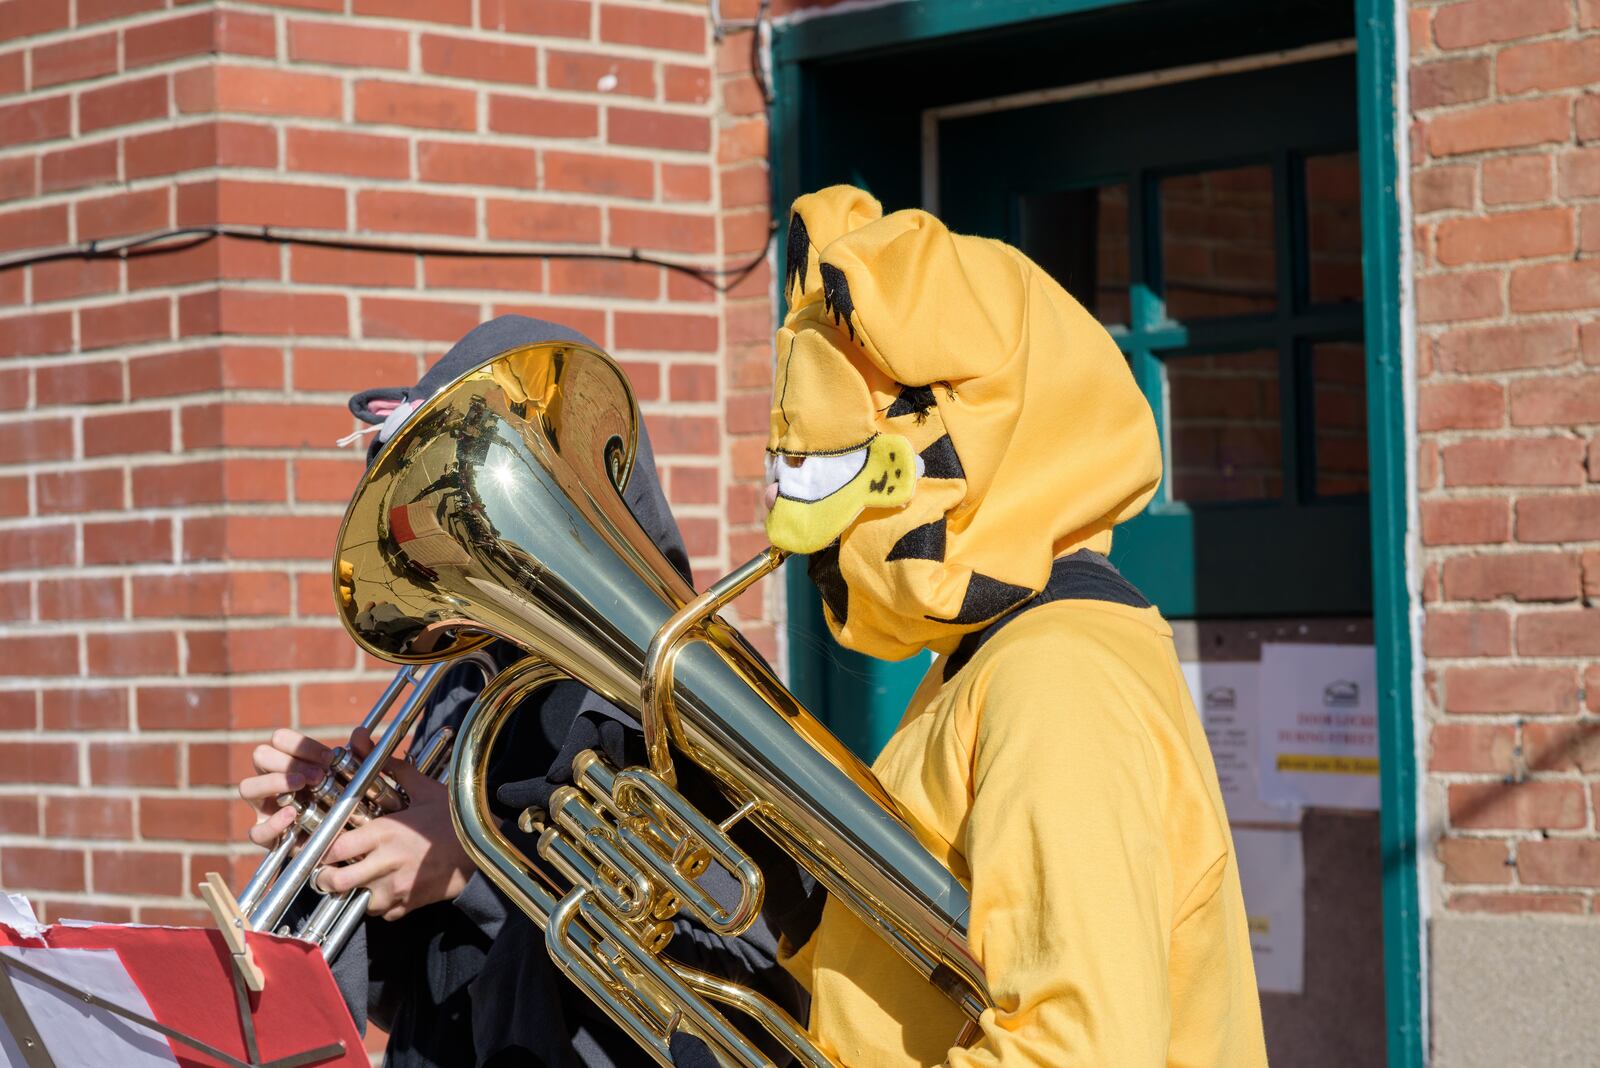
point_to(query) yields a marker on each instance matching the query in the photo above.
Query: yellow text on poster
(1327, 765)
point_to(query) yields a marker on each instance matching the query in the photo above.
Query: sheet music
(16, 912)
(79, 1034)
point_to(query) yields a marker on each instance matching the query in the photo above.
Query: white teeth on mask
(816, 476)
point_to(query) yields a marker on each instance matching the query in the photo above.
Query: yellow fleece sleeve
(1071, 881)
(800, 961)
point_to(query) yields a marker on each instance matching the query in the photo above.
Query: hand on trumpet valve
(406, 859)
(287, 764)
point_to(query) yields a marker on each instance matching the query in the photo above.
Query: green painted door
(1215, 227)
(852, 97)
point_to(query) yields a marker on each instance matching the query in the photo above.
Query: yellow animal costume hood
(946, 421)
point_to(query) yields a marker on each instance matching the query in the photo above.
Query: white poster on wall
(75, 1033)
(1272, 871)
(1227, 695)
(1319, 725)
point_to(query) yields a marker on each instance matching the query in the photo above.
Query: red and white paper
(181, 977)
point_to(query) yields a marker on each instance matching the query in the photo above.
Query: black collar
(1083, 576)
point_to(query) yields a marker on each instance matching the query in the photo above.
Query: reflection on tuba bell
(496, 511)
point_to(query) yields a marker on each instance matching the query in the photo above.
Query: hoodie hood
(946, 421)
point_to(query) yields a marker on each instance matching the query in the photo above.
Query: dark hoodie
(468, 981)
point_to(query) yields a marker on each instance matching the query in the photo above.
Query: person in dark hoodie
(444, 963)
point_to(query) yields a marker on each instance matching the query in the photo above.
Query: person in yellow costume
(953, 440)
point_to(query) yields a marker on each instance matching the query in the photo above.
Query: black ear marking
(939, 460)
(822, 567)
(913, 400)
(795, 266)
(985, 598)
(836, 297)
(920, 543)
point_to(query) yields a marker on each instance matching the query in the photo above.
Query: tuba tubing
(669, 987)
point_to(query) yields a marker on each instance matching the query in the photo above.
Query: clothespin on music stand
(231, 922)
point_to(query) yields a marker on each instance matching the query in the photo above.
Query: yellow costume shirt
(1064, 775)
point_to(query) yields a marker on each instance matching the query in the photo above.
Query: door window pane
(1224, 440)
(1333, 228)
(1339, 391)
(1217, 251)
(1080, 236)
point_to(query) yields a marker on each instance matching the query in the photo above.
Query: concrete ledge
(1515, 990)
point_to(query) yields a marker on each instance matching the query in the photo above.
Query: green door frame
(796, 44)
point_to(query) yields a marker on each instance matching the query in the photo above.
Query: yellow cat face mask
(945, 421)
(848, 464)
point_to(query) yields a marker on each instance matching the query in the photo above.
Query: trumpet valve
(386, 796)
(667, 905)
(694, 864)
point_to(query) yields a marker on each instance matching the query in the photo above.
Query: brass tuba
(496, 511)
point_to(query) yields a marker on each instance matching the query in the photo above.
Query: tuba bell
(496, 512)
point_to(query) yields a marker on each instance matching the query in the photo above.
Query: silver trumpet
(355, 790)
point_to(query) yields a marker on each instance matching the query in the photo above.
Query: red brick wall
(169, 488)
(1506, 176)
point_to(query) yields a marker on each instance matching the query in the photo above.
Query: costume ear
(815, 220)
(924, 304)
(373, 406)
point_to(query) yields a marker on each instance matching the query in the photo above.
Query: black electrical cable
(757, 68)
(757, 27)
(721, 279)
